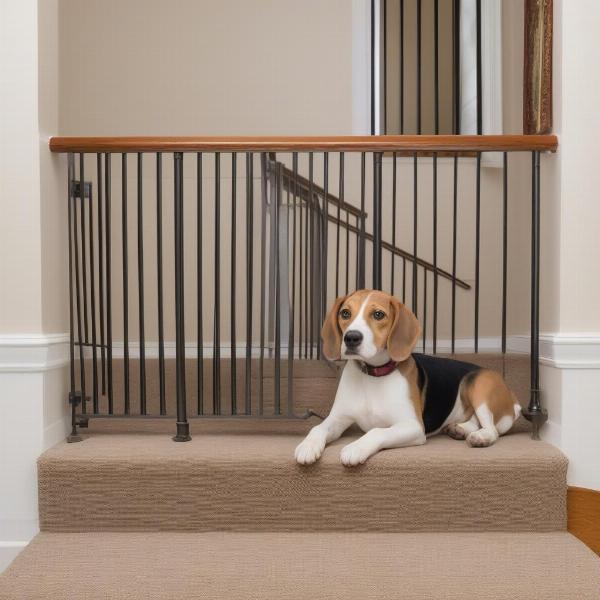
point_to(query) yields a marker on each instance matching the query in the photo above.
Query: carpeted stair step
(286, 566)
(241, 478)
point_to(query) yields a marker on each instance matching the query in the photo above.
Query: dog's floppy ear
(331, 333)
(404, 333)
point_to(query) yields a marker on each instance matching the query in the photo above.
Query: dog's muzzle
(353, 340)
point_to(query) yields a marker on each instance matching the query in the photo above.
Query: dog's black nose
(353, 338)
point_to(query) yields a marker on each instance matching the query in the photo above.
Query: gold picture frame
(537, 71)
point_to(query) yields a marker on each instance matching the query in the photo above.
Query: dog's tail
(518, 409)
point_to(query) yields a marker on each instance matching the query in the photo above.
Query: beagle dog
(398, 397)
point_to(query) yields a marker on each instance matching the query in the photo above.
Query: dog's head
(367, 324)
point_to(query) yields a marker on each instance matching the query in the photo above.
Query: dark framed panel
(537, 69)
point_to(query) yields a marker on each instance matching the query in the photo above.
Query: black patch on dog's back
(441, 378)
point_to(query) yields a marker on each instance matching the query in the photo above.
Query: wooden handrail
(379, 143)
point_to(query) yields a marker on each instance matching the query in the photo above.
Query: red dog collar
(379, 371)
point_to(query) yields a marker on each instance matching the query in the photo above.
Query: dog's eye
(378, 315)
(345, 314)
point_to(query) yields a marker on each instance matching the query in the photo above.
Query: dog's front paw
(354, 454)
(309, 451)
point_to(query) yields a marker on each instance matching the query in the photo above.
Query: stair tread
(242, 481)
(303, 565)
(226, 446)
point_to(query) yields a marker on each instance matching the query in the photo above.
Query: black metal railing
(409, 39)
(253, 241)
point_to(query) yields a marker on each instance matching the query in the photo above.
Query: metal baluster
(249, 275)
(324, 246)
(233, 359)
(73, 396)
(454, 247)
(372, 67)
(101, 274)
(384, 28)
(93, 305)
(263, 229)
(415, 234)
(199, 289)
(394, 208)
(217, 293)
(377, 220)
(83, 252)
(403, 280)
(277, 366)
(307, 217)
(504, 245)
(291, 325)
(436, 81)
(313, 260)
(347, 251)
(337, 225)
(140, 240)
(125, 281)
(435, 248)
(361, 250)
(456, 64)
(424, 307)
(159, 277)
(80, 334)
(419, 61)
(183, 427)
(107, 213)
(477, 247)
(301, 305)
(534, 412)
(402, 67)
(479, 71)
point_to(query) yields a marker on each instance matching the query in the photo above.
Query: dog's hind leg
(494, 405)
(488, 433)
(459, 431)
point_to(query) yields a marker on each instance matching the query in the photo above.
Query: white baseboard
(33, 417)
(8, 552)
(564, 350)
(57, 431)
(36, 353)
(21, 353)
(551, 433)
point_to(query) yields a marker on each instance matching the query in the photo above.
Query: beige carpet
(298, 566)
(234, 480)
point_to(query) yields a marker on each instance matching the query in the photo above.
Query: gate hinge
(75, 398)
(76, 189)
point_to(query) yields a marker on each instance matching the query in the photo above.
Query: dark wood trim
(381, 143)
(537, 68)
(583, 516)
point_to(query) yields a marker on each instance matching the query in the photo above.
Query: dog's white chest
(375, 401)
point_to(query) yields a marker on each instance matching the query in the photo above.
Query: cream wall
(52, 198)
(20, 226)
(32, 266)
(571, 381)
(578, 123)
(219, 67)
